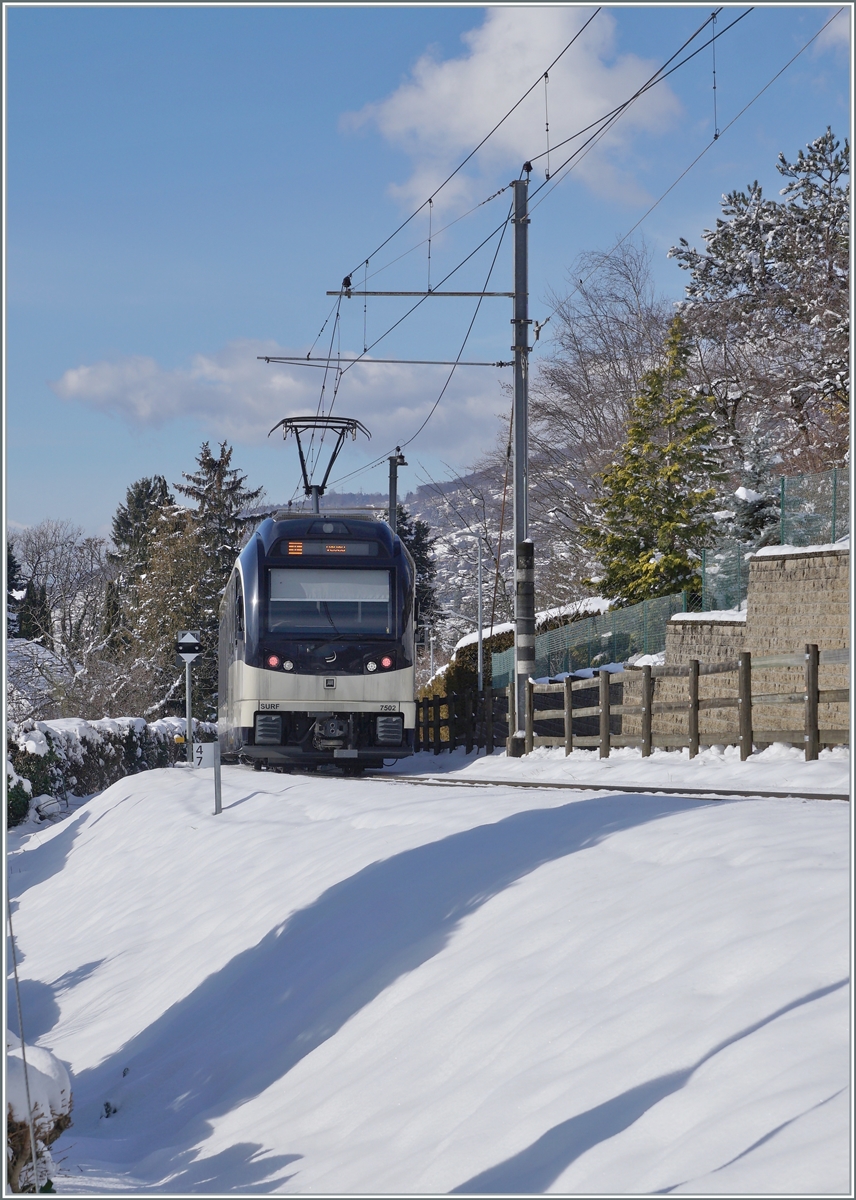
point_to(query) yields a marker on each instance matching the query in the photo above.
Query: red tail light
(386, 662)
(272, 660)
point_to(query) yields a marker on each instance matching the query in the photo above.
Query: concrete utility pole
(395, 461)
(524, 597)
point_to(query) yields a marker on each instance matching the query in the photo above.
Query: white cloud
(836, 35)
(235, 396)
(441, 112)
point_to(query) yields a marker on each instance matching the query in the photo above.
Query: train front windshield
(318, 601)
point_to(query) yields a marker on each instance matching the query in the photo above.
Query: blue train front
(317, 631)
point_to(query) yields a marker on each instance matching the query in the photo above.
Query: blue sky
(183, 185)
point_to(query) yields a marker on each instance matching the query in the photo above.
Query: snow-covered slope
(366, 986)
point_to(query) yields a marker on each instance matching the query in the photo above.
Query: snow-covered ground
(363, 986)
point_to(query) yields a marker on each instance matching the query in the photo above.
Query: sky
(183, 185)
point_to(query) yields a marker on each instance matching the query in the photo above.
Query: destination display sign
(323, 549)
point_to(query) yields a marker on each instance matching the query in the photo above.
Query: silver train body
(317, 632)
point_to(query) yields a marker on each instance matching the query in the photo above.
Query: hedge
(75, 757)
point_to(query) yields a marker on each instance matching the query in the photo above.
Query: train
(317, 645)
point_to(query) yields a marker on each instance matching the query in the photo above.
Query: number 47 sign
(205, 754)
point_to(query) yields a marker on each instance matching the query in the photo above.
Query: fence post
(781, 510)
(704, 607)
(603, 699)
(647, 701)
(744, 703)
(834, 500)
(509, 746)
(645, 626)
(468, 721)
(569, 719)
(436, 723)
(692, 686)
(452, 710)
(812, 734)
(417, 727)
(426, 723)
(530, 718)
(488, 719)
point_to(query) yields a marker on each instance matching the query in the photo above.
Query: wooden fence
(479, 720)
(474, 720)
(810, 735)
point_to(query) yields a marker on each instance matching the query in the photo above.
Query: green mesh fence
(608, 637)
(724, 575)
(814, 509)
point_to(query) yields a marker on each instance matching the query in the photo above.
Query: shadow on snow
(538, 1166)
(249, 1023)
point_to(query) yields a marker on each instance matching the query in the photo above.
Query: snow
(715, 614)
(50, 1090)
(745, 493)
(366, 986)
(825, 547)
(579, 608)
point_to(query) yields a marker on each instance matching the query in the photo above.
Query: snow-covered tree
(131, 524)
(656, 509)
(768, 307)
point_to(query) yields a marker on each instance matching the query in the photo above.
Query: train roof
(346, 522)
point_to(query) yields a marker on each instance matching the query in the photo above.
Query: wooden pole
(647, 701)
(692, 685)
(530, 718)
(436, 731)
(604, 713)
(452, 709)
(468, 721)
(488, 713)
(569, 720)
(744, 703)
(812, 734)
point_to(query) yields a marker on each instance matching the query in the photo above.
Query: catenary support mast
(524, 592)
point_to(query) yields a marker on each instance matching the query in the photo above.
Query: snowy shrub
(75, 757)
(50, 1097)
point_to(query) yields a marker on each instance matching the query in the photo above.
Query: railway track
(614, 789)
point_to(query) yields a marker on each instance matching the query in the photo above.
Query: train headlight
(386, 662)
(371, 665)
(272, 660)
(288, 665)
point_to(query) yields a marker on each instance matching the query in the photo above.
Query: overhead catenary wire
(485, 139)
(611, 117)
(501, 230)
(698, 157)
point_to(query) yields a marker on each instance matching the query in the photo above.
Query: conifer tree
(416, 535)
(131, 524)
(655, 512)
(14, 587)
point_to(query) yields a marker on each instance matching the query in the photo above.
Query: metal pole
(524, 607)
(393, 491)
(218, 792)
(432, 653)
(395, 461)
(188, 726)
(481, 622)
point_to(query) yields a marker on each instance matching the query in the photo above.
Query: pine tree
(131, 524)
(14, 587)
(217, 522)
(655, 512)
(416, 535)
